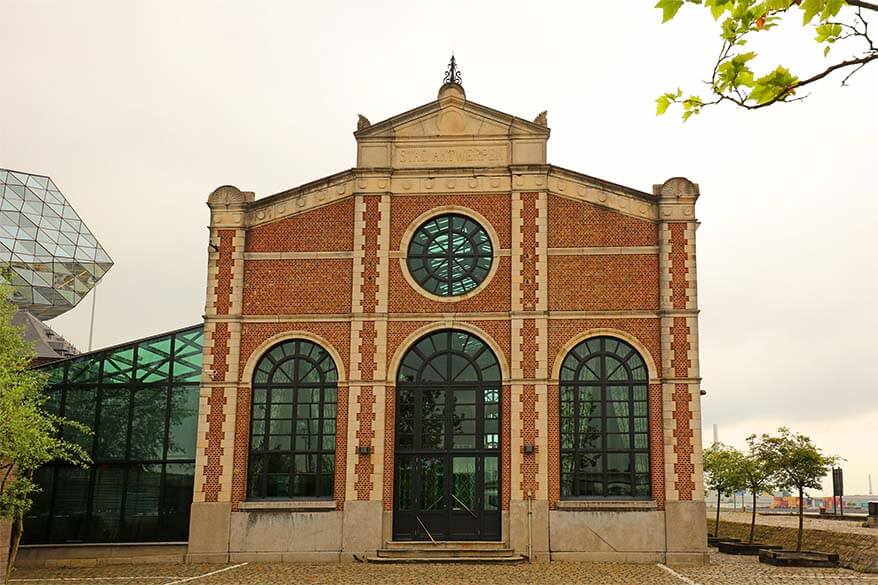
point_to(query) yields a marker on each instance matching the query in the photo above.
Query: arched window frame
(448, 412)
(293, 423)
(604, 421)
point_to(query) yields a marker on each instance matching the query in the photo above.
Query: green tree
(795, 463)
(29, 434)
(757, 477)
(839, 24)
(722, 473)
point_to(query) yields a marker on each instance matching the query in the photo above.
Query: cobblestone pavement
(723, 570)
(792, 521)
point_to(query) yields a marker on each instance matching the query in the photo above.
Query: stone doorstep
(512, 559)
(401, 553)
(445, 544)
(444, 552)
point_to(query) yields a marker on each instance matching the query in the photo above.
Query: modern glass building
(52, 256)
(141, 400)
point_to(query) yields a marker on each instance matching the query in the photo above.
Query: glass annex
(141, 400)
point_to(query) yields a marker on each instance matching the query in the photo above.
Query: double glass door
(447, 462)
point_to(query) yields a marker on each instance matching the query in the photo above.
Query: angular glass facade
(53, 258)
(141, 400)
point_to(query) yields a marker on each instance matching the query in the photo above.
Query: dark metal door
(447, 462)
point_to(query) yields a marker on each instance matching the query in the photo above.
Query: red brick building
(452, 341)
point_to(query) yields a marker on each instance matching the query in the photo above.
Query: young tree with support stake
(756, 476)
(29, 434)
(794, 462)
(722, 473)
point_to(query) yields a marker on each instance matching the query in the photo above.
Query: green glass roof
(169, 357)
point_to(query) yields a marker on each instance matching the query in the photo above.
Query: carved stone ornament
(228, 195)
(677, 187)
(362, 122)
(542, 119)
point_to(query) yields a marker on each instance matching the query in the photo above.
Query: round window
(450, 255)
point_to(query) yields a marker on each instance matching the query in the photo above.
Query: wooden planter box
(715, 540)
(805, 558)
(742, 548)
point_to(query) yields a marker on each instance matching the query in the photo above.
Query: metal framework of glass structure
(141, 400)
(447, 455)
(449, 255)
(292, 423)
(604, 421)
(53, 258)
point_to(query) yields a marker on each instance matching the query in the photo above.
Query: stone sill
(109, 544)
(288, 505)
(606, 506)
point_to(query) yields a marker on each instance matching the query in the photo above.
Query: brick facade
(573, 258)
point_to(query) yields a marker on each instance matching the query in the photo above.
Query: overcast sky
(139, 110)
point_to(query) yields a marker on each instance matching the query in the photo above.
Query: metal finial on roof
(452, 75)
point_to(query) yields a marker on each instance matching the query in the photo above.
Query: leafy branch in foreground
(29, 433)
(836, 23)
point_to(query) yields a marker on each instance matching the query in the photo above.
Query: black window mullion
(633, 450)
(92, 472)
(602, 374)
(265, 445)
(294, 424)
(47, 531)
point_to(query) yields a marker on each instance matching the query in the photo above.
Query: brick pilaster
(218, 404)
(369, 344)
(681, 383)
(529, 348)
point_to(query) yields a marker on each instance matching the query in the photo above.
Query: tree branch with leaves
(29, 434)
(722, 473)
(757, 476)
(795, 463)
(839, 24)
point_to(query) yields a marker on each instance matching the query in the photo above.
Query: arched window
(292, 428)
(604, 421)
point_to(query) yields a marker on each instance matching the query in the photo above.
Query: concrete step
(410, 553)
(445, 544)
(445, 552)
(446, 559)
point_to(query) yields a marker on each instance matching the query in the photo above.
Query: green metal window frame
(141, 400)
(292, 423)
(604, 422)
(450, 255)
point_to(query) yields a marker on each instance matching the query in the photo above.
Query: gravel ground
(723, 570)
(793, 522)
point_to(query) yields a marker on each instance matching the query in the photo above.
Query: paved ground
(792, 521)
(723, 570)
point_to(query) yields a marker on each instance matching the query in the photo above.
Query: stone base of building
(675, 535)
(92, 555)
(5, 534)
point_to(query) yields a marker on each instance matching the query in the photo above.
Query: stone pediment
(451, 132)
